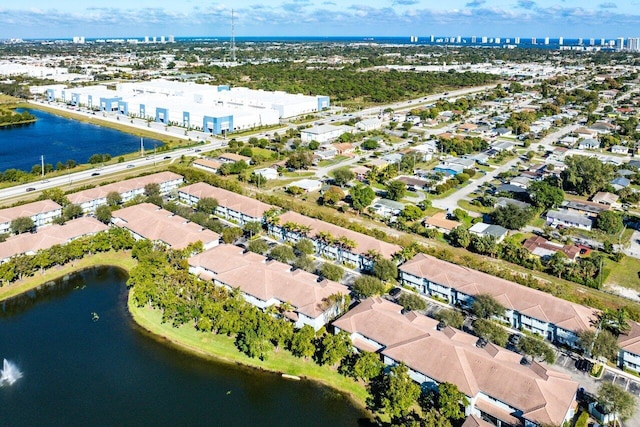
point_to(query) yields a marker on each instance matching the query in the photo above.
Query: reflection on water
(79, 371)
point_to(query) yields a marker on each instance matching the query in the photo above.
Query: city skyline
(493, 18)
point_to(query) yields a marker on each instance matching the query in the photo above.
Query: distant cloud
(327, 17)
(476, 3)
(527, 4)
(405, 2)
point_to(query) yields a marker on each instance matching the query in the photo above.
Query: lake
(77, 371)
(60, 139)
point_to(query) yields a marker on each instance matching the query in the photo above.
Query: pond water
(77, 371)
(59, 139)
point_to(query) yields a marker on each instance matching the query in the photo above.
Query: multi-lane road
(212, 144)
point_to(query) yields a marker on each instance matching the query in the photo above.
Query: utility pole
(233, 38)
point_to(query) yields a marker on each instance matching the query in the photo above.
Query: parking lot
(568, 364)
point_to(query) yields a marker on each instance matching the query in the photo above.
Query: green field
(624, 273)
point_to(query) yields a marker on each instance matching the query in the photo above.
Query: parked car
(395, 292)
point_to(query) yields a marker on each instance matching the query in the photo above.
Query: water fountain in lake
(9, 373)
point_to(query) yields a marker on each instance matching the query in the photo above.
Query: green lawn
(623, 273)
(467, 205)
(331, 162)
(222, 348)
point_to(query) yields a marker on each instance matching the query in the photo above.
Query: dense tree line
(23, 266)
(348, 83)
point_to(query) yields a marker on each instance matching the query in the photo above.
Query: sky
(447, 18)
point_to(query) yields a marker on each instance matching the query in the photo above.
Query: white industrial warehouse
(213, 109)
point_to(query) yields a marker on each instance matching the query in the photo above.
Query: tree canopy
(585, 175)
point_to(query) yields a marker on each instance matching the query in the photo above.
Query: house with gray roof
(497, 232)
(589, 144)
(620, 183)
(568, 219)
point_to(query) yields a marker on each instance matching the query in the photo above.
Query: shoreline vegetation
(10, 118)
(187, 338)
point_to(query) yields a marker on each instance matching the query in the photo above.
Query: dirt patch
(624, 292)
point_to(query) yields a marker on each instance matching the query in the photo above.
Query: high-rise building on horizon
(633, 44)
(78, 39)
(561, 41)
(473, 39)
(171, 39)
(517, 40)
(592, 42)
(432, 38)
(620, 43)
(497, 40)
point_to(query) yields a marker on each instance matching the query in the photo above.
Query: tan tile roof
(605, 198)
(154, 223)
(473, 421)
(234, 157)
(364, 243)
(237, 202)
(208, 163)
(450, 355)
(223, 258)
(381, 321)
(531, 302)
(121, 187)
(28, 210)
(269, 279)
(49, 236)
(631, 340)
(439, 220)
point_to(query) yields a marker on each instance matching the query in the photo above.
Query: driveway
(324, 172)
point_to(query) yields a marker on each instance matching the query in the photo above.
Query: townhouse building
(42, 212)
(528, 309)
(499, 389)
(90, 199)
(231, 206)
(310, 300)
(326, 238)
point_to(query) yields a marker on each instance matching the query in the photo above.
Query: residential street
(450, 203)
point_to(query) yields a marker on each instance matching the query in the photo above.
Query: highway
(213, 144)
